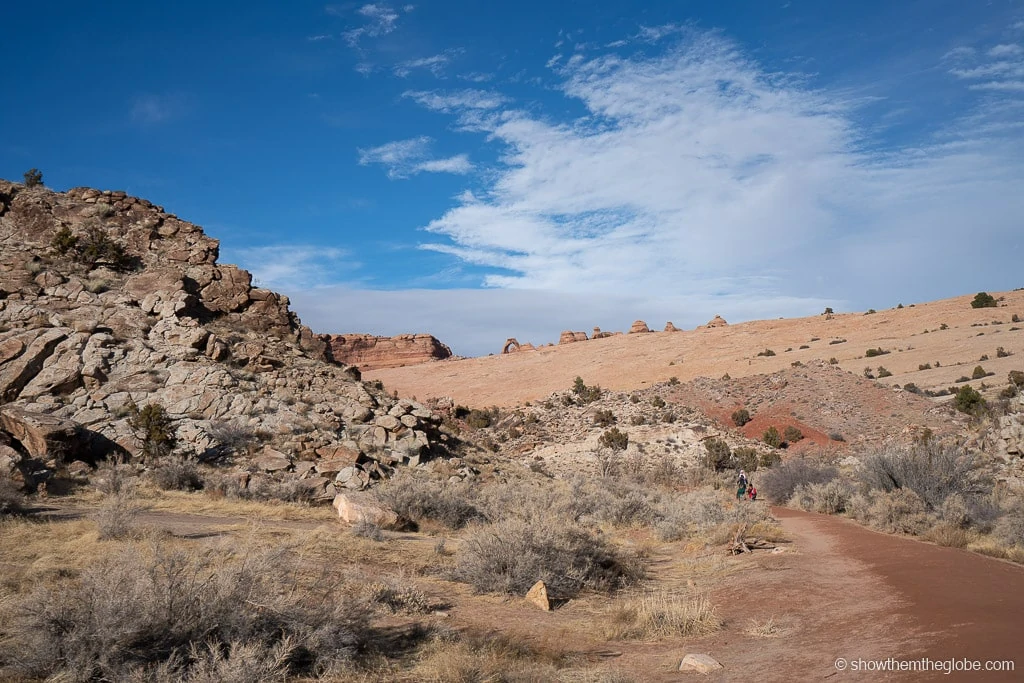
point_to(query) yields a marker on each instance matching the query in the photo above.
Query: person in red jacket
(752, 492)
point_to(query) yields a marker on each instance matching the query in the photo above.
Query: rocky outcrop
(369, 352)
(569, 337)
(84, 342)
(717, 321)
(638, 326)
(669, 327)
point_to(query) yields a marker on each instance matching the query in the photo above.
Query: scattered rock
(538, 595)
(638, 327)
(700, 663)
(353, 510)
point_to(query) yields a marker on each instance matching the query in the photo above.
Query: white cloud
(404, 158)
(1001, 69)
(458, 164)
(695, 171)
(1005, 50)
(288, 267)
(435, 64)
(457, 100)
(380, 20)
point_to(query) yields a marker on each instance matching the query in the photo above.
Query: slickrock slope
(84, 338)
(370, 353)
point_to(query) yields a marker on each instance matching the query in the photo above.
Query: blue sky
(482, 170)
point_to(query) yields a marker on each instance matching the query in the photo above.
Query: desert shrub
(398, 598)
(365, 528)
(95, 247)
(899, 511)
(829, 498)
(116, 517)
(1016, 378)
(661, 614)
(12, 501)
(984, 300)
(64, 241)
(33, 177)
(614, 439)
(1002, 353)
(772, 437)
(769, 459)
(836, 341)
(718, 455)
(690, 513)
(747, 458)
(269, 488)
(870, 311)
(979, 373)
(949, 536)
(234, 437)
(418, 499)
(766, 352)
(872, 353)
(932, 470)
(925, 366)
(657, 402)
(604, 418)
(883, 372)
(1015, 318)
(833, 361)
(792, 434)
(170, 615)
(1010, 527)
(177, 474)
(969, 401)
(634, 399)
(634, 508)
(510, 556)
(585, 394)
(479, 419)
(779, 483)
(637, 420)
(741, 417)
(154, 427)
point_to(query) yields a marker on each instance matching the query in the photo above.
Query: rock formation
(108, 302)
(669, 327)
(638, 326)
(369, 352)
(717, 321)
(568, 337)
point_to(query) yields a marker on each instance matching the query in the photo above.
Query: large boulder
(370, 352)
(44, 437)
(638, 326)
(353, 509)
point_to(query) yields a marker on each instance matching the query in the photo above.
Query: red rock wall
(369, 352)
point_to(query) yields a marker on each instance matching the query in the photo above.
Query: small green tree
(719, 455)
(64, 241)
(979, 373)
(154, 428)
(741, 417)
(984, 300)
(792, 434)
(772, 437)
(33, 177)
(585, 394)
(969, 401)
(614, 439)
(746, 458)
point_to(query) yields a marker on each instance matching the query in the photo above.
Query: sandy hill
(948, 335)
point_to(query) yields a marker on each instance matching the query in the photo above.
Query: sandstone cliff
(370, 352)
(108, 302)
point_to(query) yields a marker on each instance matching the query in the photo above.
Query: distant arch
(510, 345)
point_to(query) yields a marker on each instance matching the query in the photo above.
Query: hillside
(109, 305)
(948, 335)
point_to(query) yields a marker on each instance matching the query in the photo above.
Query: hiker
(752, 492)
(743, 478)
(742, 490)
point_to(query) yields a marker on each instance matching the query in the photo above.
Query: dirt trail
(952, 603)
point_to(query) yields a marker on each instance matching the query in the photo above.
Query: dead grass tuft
(661, 614)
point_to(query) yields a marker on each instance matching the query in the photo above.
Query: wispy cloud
(436, 64)
(379, 20)
(152, 109)
(404, 158)
(289, 267)
(696, 170)
(999, 68)
(457, 100)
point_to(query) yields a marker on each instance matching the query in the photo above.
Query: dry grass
(949, 536)
(768, 628)
(994, 548)
(661, 614)
(477, 659)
